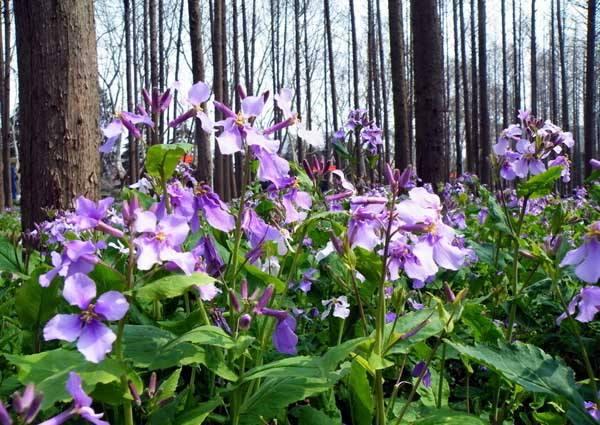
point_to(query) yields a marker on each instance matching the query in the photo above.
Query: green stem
(396, 387)
(441, 384)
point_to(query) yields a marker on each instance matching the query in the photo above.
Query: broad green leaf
(266, 278)
(171, 286)
(49, 372)
(482, 328)
(449, 417)
(361, 397)
(161, 160)
(198, 414)
(541, 184)
(532, 369)
(308, 415)
(205, 335)
(107, 279)
(428, 396)
(142, 343)
(34, 304)
(9, 257)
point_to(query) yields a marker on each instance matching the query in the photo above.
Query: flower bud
(449, 293)
(134, 393)
(152, 385)
(307, 169)
(235, 303)
(265, 298)
(245, 321)
(241, 91)
(244, 289)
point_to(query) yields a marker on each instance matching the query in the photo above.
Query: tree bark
(59, 107)
(553, 91)
(297, 44)
(457, 145)
(5, 194)
(132, 151)
(204, 161)
(504, 68)
(589, 117)
(484, 115)
(331, 65)
(475, 160)
(429, 88)
(533, 62)
(516, 74)
(401, 140)
(563, 68)
(6, 124)
(465, 89)
(154, 72)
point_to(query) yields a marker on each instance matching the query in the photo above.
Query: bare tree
(589, 117)
(533, 76)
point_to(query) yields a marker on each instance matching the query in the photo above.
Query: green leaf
(161, 160)
(532, 369)
(171, 286)
(142, 343)
(266, 278)
(541, 184)
(482, 328)
(449, 417)
(49, 372)
(169, 386)
(423, 323)
(34, 304)
(198, 414)
(361, 399)
(205, 335)
(308, 415)
(9, 257)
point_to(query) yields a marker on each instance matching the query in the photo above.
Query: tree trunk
(429, 88)
(384, 91)
(5, 195)
(589, 117)
(6, 125)
(484, 115)
(465, 90)
(457, 145)
(504, 69)
(401, 141)
(204, 165)
(553, 91)
(154, 72)
(533, 62)
(218, 87)
(160, 126)
(563, 67)
(331, 66)
(132, 151)
(475, 160)
(297, 43)
(308, 70)
(59, 107)
(516, 73)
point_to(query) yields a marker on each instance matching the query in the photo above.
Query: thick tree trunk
(6, 125)
(553, 91)
(59, 106)
(401, 140)
(218, 44)
(429, 88)
(297, 44)
(5, 195)
(589, 117)
(384, 91)
(484, 115)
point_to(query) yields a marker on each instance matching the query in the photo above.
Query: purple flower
(77, 257)
(27, 405)
(284, 102)
(214, 210)
(416, 261)
(284, 336)
(271, 167)
(161, 240)
(124, 123)
(586, 258)
(212, 261)
(207, 292)
(421, 370)
(371, 137)
(364, 227)
(258, 232)
(563, 162)
(592, 409)
(4, 416)
(81, 405)
(357, 118)
(390, 316)
(94, 338)
(182, 200)
(339, 306)
(89, 213)
(528, 162)
(308, 278)
(415, 305)
(292, 199)
(196, 96)
(595, 164)
(587, 302)
(482, 215)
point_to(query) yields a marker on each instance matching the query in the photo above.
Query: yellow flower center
(160, 236)
(240, 120)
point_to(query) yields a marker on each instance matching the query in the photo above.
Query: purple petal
(95, 341)
(59, 419)
(145, 221)
(79, 290)
(112, 305)
(252, 106)
(147, 250)
(284, 338)
(66, 327)
(230, 141)
(589, 269)
(89, 415)
(447, 255)
(176, 229)
(199, 93)
(74, 388)
(589, 304)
